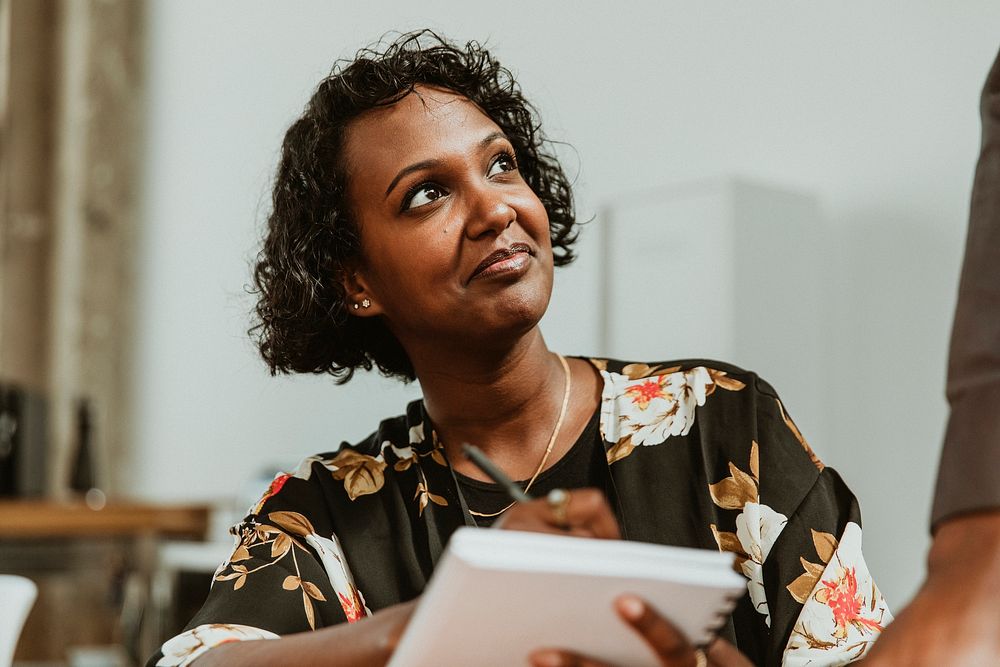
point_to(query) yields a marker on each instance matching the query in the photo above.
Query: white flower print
(332, 557)
(183, 649)
(641, 407)
(845, 612)
(757, 528)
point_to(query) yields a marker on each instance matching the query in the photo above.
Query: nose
(490, 213)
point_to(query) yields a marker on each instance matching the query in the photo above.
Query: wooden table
(93, 568)
(45, 519)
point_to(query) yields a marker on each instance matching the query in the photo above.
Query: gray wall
(872, 107)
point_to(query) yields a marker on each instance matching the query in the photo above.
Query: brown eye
(422, 194)
(503, 162)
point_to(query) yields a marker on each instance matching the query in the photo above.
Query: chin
(519, 312)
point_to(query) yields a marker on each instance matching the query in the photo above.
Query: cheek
(409, 264)
(534, 219)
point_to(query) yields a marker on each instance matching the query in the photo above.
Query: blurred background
(788, 182)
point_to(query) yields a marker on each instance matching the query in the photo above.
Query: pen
(474, 454)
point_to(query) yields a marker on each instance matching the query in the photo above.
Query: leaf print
(263, 531)
(826, 546)
(798, 436)
(825, 543)
(729, 542)
(638, 371)
(313, 591)
(240, 554)
(620, 449)
(291, 582)
(426, 496)
(735, 491)
(308, 605)
(293, 522)
(282, 543)
(362, 474)
(438, 456)
(722, 379)
(755, 460)
(238, 584)
(803, 585)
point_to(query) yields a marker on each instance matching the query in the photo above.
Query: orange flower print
(276, 484)
(841, 596)
(644, 392)
(844, 612)
(354, 609)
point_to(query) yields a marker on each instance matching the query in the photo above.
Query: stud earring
(365, 303)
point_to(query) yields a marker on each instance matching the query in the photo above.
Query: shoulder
(646, 402)
(705, 370)
(353, 469)
(689, 381)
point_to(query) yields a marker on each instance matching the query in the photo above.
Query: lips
(499, 256)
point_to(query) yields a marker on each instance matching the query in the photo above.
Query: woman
(416, 221)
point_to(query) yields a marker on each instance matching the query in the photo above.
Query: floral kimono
(699, 454)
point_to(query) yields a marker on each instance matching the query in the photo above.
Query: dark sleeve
(969, 473)
(287, 574)
(797, 540)
(825, 606)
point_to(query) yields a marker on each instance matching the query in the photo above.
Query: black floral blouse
(700, 454)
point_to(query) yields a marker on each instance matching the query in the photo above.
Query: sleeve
(969, 473)
(797, 539)
(287, 574)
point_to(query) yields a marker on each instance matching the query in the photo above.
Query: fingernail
(546, 659)
(631, 607)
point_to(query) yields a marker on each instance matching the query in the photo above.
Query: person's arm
(969, 474)
(955, 618)
(367, 642)
(286, 577)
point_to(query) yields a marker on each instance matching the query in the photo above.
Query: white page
(498, 595)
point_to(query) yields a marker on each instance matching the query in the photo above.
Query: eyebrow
(424, 164)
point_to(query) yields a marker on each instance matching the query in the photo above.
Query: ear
(358, 298)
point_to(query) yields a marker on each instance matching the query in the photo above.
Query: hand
(668, 644)
(955, 617)
(392, 623)
(587, 515)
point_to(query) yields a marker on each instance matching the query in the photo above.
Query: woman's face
(455, 246)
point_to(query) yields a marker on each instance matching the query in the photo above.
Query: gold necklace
(548, 448)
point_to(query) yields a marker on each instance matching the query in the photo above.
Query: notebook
(498, 595)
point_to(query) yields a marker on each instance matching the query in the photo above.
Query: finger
(589, 509)
(558, 658)
(667, 642)
(587, 514)
(721, 652)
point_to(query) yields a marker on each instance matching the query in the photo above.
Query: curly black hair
(302, 322)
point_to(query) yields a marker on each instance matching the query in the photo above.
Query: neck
(506, 402)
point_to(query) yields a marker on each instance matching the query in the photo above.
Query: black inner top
(583, 465)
